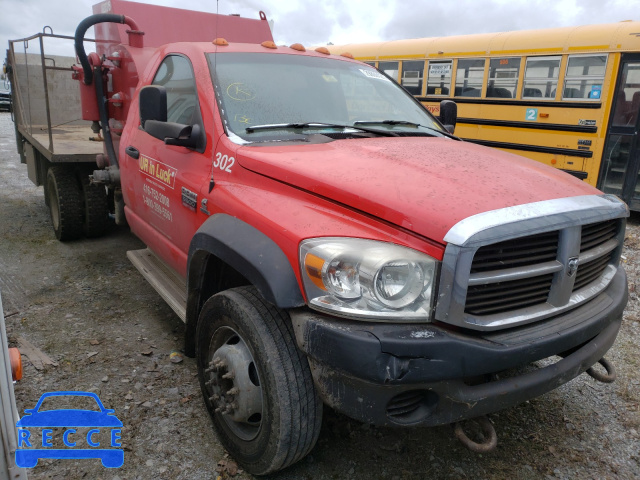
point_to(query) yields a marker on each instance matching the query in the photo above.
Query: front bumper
(435, 374)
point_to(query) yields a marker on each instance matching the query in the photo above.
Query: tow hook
(608, 377)
(489, 433)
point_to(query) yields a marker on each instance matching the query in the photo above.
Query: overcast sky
(345, 21)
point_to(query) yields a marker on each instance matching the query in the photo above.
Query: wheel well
(208, 275)
(79, 169)
(218, 276)
(227, 252)
(43, 167)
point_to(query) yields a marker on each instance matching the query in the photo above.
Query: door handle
(132, 152)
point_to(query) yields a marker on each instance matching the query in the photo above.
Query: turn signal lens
(313, 265)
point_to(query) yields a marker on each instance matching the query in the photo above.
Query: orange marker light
(269, 44)
(324, 50)
(544, 115)
(347, 55)
(16, 364)
(553, 161)
(220, 42)
(313, 266)
(298, 46)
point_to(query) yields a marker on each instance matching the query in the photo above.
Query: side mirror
(153, 104)
(174, 133)
(448, 115)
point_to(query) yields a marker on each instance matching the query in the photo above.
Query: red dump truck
(322, 235)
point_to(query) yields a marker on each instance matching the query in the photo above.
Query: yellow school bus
(568, 97)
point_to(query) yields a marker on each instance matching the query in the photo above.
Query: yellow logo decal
(158, 171)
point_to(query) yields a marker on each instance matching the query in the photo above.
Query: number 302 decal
(224, 162)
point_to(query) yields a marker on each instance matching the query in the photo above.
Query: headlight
(367, 279)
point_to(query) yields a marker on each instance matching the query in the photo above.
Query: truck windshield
(279, 96)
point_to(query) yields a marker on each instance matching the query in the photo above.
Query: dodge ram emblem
(572, 266)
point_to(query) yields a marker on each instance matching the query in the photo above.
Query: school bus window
(390, 68)
(541, 77)
(373, 64)
(412, 77)
(503, 77)
(584, 77)
(627, 107)
(469, 75)
(439, 78)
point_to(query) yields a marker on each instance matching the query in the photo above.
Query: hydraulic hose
(104, 118)
(83, 26)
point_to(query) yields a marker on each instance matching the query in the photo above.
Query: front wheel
(256, 383)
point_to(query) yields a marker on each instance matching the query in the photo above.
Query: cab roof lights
(269, 44)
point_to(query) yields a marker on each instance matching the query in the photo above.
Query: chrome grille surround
(596, 263)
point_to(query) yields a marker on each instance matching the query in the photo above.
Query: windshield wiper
(403, 122)
(387, 122)
(284, 126)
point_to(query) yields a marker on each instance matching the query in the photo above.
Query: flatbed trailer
(47, 108)
(72, 143)
(57, 145)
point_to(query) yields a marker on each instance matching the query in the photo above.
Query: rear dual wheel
(65, 203)
(95, 205)
(76, 206)
(256, 383)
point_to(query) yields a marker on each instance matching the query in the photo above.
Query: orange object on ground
(16, 363)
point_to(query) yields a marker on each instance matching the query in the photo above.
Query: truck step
(171, 287)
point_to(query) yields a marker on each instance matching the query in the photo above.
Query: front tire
(256, 383)
(65, 204)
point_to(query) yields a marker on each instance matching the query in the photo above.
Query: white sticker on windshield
(373, 74)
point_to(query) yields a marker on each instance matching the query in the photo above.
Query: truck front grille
(505, 296)
(597, 234)
(521, 264)
(594, 236)
(523, 272)
(518, 252)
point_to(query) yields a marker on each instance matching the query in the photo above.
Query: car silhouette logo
(69, 419)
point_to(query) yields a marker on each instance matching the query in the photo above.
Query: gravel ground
(84, 305)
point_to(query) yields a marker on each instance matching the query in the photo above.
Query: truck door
(161, 182)
(621, 162)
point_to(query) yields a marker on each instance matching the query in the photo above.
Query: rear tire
(63, 193)
(256, 383)
(95, 208)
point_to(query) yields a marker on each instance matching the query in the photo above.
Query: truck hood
(423, 184)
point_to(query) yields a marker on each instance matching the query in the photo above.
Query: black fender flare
(248, 251)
